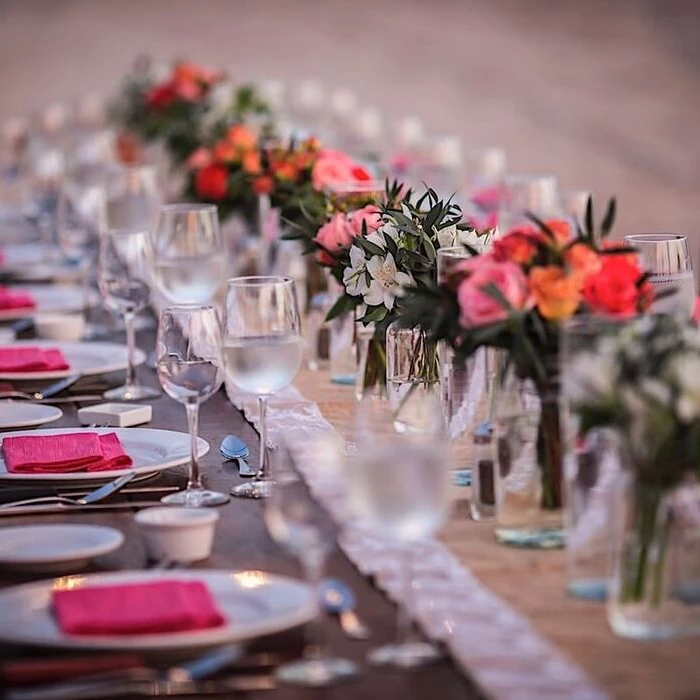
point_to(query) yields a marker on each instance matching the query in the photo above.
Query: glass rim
(257, 280)
(186, 207)
(655, 237)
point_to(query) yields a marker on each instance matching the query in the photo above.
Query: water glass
(398, 487)
(298, 523)
(189, 264)
(189, 363)
(667, 257)
(133, 196)
(591, 466)
(263, 349)
(528, 194)
(122, 275)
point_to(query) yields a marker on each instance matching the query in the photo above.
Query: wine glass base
(133, 392)
(317, 672)
(253, 489)
(196, 498)
(407, 655)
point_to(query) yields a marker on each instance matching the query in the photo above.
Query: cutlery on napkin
(64, 452)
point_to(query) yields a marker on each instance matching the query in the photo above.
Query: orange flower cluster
(187, 83)
(555, 273)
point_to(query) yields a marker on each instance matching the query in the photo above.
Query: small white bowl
(66, 327)
(176, 533)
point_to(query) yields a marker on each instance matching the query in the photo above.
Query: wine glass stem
(129, 317)
(263, 466)
(195, 480)
(403, 618)
(312, 564)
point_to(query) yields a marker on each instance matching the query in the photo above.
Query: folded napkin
(65, 452)
(27, 358)
(12, 299)
(136, 608)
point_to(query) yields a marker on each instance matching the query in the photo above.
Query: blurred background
(604, 94)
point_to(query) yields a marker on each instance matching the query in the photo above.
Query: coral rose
(211, 182)
(199, 158)
(371, 217)
(241, 137)
(284, 170)
(160, 95)
(188, 90)
(333, 236)
(518, 246)
(251, 163)
(335, 168)
(583, 260)
(263, 185)
(478, 308)
(556, 294)
(225, 152)
(614, 290)
(561, 230)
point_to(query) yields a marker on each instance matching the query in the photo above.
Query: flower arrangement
(239, 166)
(645, 383)
(516, 297)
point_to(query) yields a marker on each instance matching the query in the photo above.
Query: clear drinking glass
(122, 275)
(189, 263)
(189, 363)
(574, 204)
(263, 349)
(298, 523)
(399, 486)
(667, 257)
(133, 196)
(528, 194)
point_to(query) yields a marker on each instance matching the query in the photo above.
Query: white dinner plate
(18, 414)
(55, 298)
(55, 547)
(83, 358)
(254, 604)
(151, 450)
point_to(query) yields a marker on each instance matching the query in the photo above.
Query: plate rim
(13, 314)
(30, 422)
(87, 553)
(104, 476)
(139, 359)
(226, 634)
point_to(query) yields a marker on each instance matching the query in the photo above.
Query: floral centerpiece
(376, 252)
(645, 383)
(516, 298)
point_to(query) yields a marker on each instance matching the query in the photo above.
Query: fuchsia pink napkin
(27, 358)
(12, 299)
(143, 608)
(66, 452)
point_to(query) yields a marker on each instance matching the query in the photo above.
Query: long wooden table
(242, 542)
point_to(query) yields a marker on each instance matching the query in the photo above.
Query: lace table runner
(493, 643)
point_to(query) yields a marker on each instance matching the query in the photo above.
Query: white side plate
(19, 414)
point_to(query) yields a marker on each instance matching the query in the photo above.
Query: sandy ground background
(604, 94)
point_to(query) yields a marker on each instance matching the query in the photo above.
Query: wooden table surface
(242, 542)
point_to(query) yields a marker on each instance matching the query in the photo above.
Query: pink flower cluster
(340, 231)
(335, 168)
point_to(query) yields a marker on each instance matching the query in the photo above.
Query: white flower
(684, 371)
(387, 282)
(591, 378)
(354, 277)
(451, 236)
(378, 237)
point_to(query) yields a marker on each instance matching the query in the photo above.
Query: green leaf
(541, 224)
(375, 314)
(495, 293)
(368, 246)
(344, 304)
(589, 218)
(609, 219)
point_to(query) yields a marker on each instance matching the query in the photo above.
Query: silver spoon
(338, 599)
(233, 448)
(99, 494)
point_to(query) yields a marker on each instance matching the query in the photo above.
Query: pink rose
(335, 168)
(369, 215)
(477, 308)
(333, 236)
(696, 312)
(199, 159)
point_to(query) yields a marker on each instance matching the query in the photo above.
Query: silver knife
(58, 386)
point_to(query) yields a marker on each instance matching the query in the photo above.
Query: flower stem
(550, 453)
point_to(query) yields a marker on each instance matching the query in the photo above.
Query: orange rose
(241, 137)
(284, 170)
(251, 163)
(561, 230)
(583, 260)
(517, 246)
(186, 72)
(556, 294)
(225, 152)
(263, 185)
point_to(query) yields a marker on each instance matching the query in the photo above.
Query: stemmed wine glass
(133, 196)
(298, 523)
(188, 253)
(190, 370)
(666, 256)
(122, 276)
(398, 487)
(263, 348)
